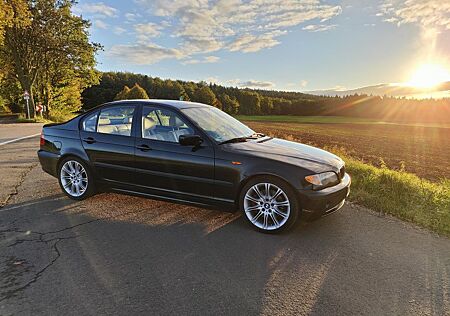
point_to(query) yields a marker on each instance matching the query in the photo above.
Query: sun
(428, 76)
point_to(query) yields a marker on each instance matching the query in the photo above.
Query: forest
(235, 100)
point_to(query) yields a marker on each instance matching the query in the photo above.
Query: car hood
(287, 151)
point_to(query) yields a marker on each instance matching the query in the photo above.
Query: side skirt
(223, 206)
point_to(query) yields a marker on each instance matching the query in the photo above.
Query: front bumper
(320, 203)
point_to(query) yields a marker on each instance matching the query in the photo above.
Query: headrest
(175, 121)
(128, 120)
(148, 122)
(104, 121)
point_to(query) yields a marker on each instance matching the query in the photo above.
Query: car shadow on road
(120, 254)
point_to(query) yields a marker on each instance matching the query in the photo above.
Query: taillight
(42, 140)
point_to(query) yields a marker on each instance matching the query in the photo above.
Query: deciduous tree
(229, 104)
(137, 92)
(205, 95)
(51, 53)
(122, 95)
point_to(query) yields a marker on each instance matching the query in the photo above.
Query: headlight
(322, 180)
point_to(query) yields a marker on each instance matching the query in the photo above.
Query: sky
(284, 45)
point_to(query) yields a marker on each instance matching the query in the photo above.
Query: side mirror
(190, 140)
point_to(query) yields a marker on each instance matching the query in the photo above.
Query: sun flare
(429, 75)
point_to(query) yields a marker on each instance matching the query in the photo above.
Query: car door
(108, 138)
(166, 167)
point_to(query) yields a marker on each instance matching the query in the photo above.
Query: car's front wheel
(269, 204)
(75, 179)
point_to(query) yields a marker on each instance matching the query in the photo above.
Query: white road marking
(20, 138)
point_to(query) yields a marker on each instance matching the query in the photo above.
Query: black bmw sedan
(193, 153)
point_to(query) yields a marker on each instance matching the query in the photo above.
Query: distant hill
(392, 89)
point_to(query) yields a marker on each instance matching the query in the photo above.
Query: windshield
(217, 124)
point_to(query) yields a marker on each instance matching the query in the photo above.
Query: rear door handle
(89, 140)
(143, 147)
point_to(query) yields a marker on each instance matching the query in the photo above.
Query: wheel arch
(261, 175)
(64, 156)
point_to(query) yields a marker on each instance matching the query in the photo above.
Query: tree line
(233, 100)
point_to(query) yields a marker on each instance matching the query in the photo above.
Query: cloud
(432, 15)
(235, 25)
(143, 54)
(98, 9)
(253, 84)
(119, 30)
(202, 45)
(256, 84)
(212, 80)
(100, 24)
(204, 60)
(206, 26)
(146, 31)
(319, 27)
(250, 43)
(296, 85)
(130, 16)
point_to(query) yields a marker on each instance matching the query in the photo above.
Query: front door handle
(143, 147)
(89, 140)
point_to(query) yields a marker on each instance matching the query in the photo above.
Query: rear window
(90, 123)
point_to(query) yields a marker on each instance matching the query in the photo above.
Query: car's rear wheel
(75, 179)
(269, 204)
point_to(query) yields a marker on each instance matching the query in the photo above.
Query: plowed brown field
(424, 151)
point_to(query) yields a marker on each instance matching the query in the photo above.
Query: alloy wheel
(267, 206)
(74, 178)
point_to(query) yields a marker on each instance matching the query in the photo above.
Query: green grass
(401, 194)
(328, 120)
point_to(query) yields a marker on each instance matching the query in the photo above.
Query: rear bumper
(49, 162)
(316, 204)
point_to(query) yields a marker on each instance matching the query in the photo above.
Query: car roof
(170, 103)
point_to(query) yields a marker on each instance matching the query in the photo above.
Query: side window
(116, 120)
(163, 125)
(90, 122)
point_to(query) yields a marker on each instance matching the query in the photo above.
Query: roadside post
(26, 97)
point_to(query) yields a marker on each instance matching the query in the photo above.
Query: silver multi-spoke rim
(267, 206)
(74, 178)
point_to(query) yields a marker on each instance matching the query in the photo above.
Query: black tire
(89, 184)
(272, 210)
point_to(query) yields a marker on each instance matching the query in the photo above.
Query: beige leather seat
(105, 126)
(125, 127)
(148, 125)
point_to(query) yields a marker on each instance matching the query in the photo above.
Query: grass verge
(399, 193)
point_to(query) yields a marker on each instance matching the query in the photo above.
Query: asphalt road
(12, 131)
(115, 254)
